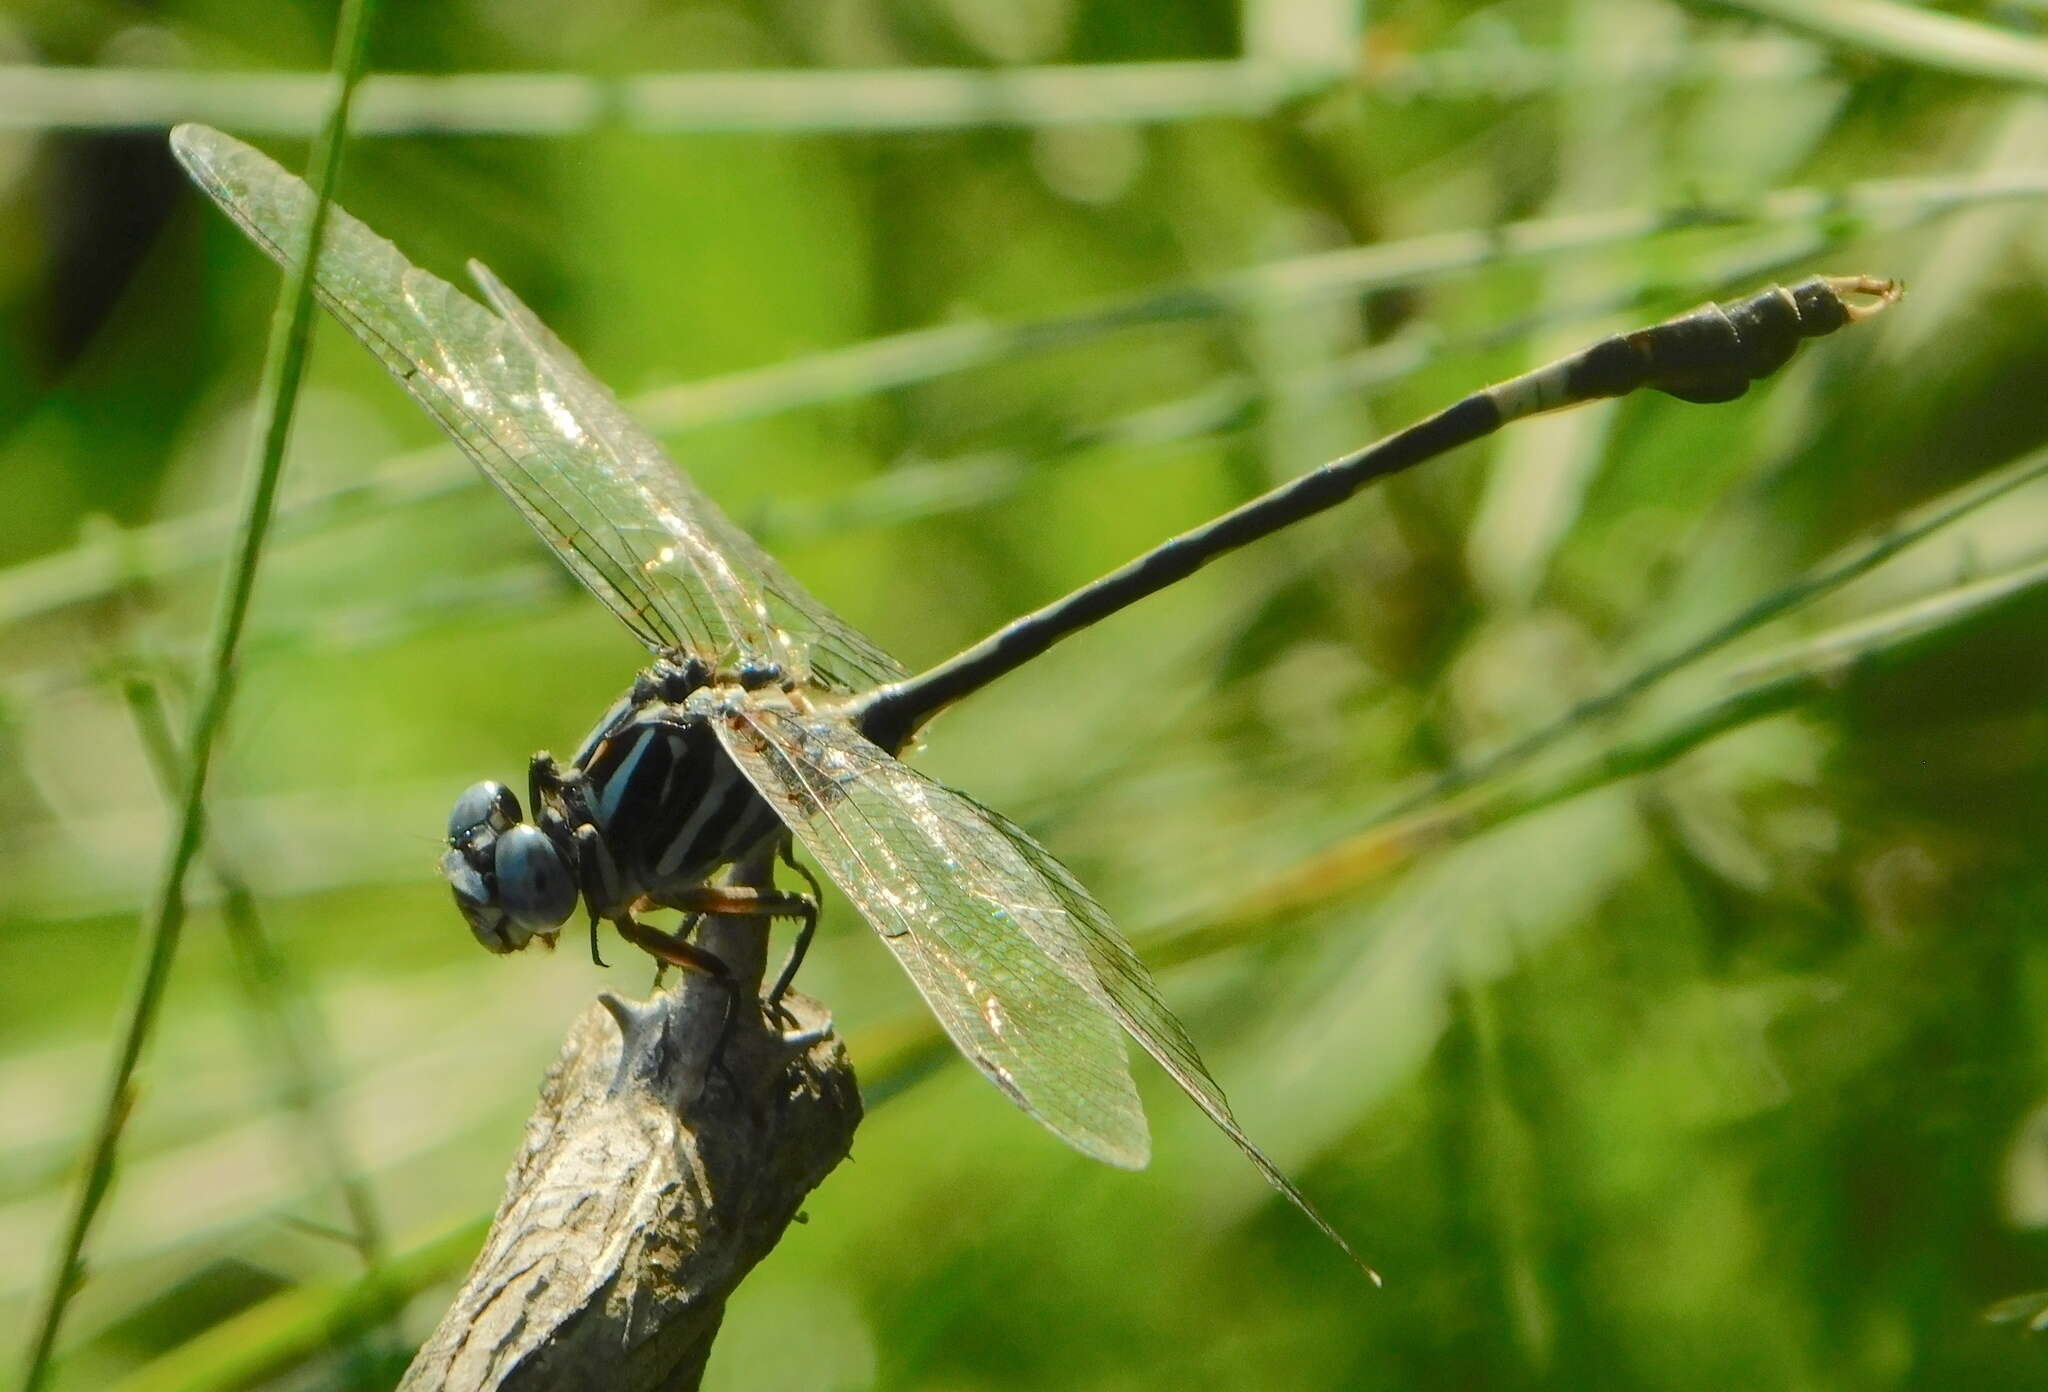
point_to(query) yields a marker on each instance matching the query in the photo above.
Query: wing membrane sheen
(595, 486)
(957, 892)
(968, 935)
(1021, 966)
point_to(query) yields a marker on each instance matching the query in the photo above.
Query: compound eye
(535, 888)
(478, 902)
(486, 804)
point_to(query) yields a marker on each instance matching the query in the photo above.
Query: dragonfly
(765, 719)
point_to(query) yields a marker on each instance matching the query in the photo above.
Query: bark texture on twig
(649, 1184)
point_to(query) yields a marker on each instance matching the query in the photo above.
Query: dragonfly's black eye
(535, 888)
(486, 804)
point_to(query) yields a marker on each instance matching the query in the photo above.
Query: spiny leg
(674, 950)
(806, 929)
(734, 900)
(741, 901)
(683, 930)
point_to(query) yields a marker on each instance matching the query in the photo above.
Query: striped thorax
(647, 809)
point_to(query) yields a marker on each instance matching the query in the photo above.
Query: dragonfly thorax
(670, 803)
(649, 807)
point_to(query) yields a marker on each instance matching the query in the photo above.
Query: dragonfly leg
(543, 776)
(804, 932)
(741, 901)
(673, 949)
(796, 1041)
(746, 901)
(597, 877)
(684, 930)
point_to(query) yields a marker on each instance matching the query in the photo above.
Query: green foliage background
(1725, 1070)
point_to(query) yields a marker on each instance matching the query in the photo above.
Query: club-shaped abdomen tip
(535, 886)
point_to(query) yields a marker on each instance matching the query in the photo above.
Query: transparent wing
(965, 924)
(809, 640)
(1023, 968)
(596, 487)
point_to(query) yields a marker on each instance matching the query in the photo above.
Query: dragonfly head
(511, 878)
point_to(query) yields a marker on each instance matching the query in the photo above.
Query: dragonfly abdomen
(1707, 354)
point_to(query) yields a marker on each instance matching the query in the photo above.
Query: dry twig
(651, 1181)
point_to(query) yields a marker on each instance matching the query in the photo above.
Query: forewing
(965, 896)
(714, 554)
(986, 941)
(596, 488)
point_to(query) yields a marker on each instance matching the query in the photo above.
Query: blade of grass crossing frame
(291, 1038)
(283, 366)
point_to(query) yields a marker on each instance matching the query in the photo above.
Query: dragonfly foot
(805, 908)
(798, 1040)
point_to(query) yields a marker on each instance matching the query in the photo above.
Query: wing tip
(1365, 1268)
(1325, 1227)
(507, 305)
(486, 279)
(1122, 1142)
(1122, 1155)
(206, 154)
(194, 144)
(1135, 1152)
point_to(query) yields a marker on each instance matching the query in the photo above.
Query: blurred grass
(185, 772)
(1726, 1073)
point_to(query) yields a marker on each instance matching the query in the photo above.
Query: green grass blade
(99, 567)
(1804, 673)
(290, 1038)
(284, 365)
(1823, 579)
(1915, 35)
(276, 1335)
